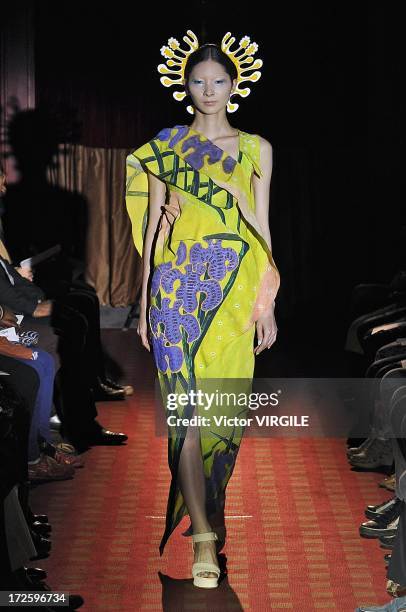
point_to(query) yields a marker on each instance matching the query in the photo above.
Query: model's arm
(157, 192)
(266, 324)
(262, 188)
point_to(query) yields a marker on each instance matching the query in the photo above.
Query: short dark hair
(2, 171)
(210, 52)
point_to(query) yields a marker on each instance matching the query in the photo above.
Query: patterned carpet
(293, 510)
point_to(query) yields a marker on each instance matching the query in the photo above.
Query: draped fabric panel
(113, 267)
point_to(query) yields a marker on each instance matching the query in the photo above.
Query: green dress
(212, 276)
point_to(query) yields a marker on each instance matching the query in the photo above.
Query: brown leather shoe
(60, 456)
(49, 469)
(65, 447)
(388, 483)
(68, 459)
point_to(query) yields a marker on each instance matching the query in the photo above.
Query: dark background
(328, 101)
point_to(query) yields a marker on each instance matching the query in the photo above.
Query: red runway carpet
(293, 509)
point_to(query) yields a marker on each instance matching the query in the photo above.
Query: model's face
(210, 87)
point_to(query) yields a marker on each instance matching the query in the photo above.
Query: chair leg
(133, 314)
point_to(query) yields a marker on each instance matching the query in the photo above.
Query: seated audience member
(53, 464)
(45, 460)
(77, 408)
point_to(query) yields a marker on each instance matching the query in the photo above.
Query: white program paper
(10, 334)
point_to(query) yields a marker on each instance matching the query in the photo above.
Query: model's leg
(192, 485)
(218, 524)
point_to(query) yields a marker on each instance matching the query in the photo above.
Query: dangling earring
(190, 109)
(231, 108)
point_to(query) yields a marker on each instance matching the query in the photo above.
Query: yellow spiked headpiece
(241, 58)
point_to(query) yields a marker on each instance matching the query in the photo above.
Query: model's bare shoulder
(265, 145)
(265, 153)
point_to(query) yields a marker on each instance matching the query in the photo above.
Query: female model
(198, 199)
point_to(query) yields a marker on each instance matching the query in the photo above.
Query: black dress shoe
(36, 574)
(40, 518)
(42, 545)
(378, 528)
(42, 529)
(387, 514)
(372, 512)
(387, 542)
(102, 392)
(128, 389)
(389, 511)
(105, 437)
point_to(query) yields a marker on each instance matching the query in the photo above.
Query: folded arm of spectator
(25, 272)
(18, 293)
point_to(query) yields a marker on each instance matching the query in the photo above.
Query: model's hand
(142, 327)
(266, 331)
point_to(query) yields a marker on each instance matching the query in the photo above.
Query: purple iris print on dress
(229, 164)
(220, 461)
(172, 320)
(164, 134)
(181, 133)
(156, 277)
(181, 254)
(191, 285)
(166, 355)
(220, 260)
(195, 158)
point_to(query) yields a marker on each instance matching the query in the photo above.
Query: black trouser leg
(87, 304)
(77, 408)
